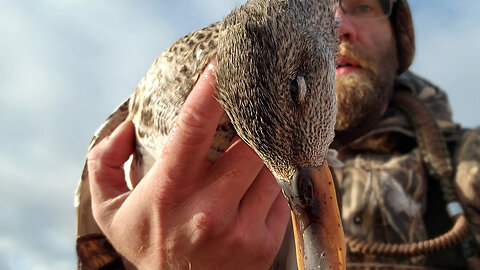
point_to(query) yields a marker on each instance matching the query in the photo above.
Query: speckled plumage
(275, 78)
(261, 48)
(155, 104)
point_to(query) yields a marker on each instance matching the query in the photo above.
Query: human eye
(362, 8)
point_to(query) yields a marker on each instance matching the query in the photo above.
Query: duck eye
(298, 89)
(294, 90)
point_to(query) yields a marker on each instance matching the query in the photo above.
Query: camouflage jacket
(387, 196)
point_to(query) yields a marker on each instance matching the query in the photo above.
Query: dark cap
(402, 23)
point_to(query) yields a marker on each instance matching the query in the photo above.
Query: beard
(362, 96)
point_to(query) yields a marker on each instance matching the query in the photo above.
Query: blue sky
(65, 65)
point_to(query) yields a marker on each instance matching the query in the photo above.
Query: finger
(278, 216)
(192, 134)
(234, 172)
(105, 163)
(259, 198)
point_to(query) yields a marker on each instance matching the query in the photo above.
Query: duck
(276, 83)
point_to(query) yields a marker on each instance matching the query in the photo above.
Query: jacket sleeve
(467, 178)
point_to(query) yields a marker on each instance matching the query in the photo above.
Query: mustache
(348, 50)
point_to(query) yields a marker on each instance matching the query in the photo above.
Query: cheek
(377, 39)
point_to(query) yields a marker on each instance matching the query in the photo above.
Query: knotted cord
(439, 165)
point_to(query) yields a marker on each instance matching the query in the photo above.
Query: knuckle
(93, 167)
(97, 158)
(233, 173)
(170, 189)
(166, 198)
(192, 123)
(208, 222)
(97, 170)
(173, 178)
(203, 223)
(93, 155)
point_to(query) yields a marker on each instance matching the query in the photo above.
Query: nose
(346, 30)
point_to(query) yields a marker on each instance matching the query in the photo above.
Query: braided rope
(458, 231)
(439, 165)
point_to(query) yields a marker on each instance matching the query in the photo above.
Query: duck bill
(319, 237)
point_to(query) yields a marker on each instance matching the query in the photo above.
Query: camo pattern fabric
(467, 178)
(385, 190)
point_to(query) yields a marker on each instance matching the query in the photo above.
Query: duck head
(276, 82)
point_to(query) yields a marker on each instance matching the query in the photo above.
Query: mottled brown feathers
(265, 51)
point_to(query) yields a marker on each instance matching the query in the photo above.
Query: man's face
(366, 68)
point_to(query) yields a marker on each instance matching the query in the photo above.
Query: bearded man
(392, 190)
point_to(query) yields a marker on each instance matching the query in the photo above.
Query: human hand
(187, 213)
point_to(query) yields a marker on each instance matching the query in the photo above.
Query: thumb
(105, 165)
